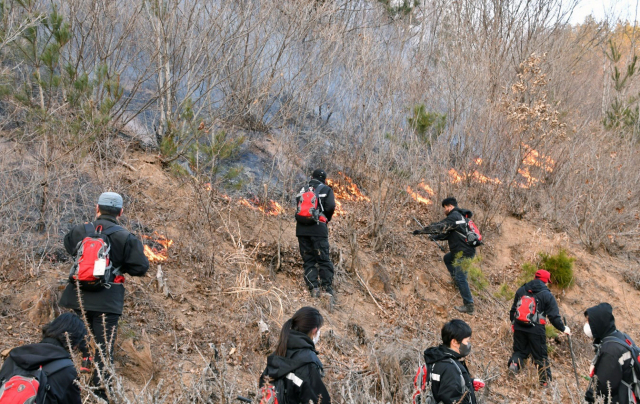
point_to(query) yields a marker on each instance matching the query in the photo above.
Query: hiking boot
(513, 369)
(315, 292)
(467, 308)
(329, 290)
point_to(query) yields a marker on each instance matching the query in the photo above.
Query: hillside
(202, 334)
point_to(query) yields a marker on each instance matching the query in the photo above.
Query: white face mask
(587, 330)
(316, 338)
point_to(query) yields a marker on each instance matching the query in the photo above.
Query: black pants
(316, 261)
(101, 329)
(534, 344)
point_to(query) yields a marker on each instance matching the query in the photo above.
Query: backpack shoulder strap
(113, 229)
(57, 365)
(89, 228)
(462, 381)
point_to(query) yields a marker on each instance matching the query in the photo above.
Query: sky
(601, 9)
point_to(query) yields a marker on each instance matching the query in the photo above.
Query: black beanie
(319, 174)
(449, 201)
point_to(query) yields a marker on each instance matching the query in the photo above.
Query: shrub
(504, 293)
(632, 277)
(528, 272)
(560, 266)
(427, 125)
(472, 268)
(550, 331)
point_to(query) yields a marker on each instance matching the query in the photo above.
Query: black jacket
(328, 206)
(446, 385)
(126, 252)
(452, 229)
(608, 370)
(302, 363)
(547, 307)
(30, 357)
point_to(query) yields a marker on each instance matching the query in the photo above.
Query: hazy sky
(623, 9)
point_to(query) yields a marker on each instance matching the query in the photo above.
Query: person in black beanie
(313, 238)
(452, 229)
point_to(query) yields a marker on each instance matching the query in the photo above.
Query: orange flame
(154, 254)
(426, 188)
(417, 197)
(478, 161)
(533, 158)
(455, 177)
(483, 179)
(347, 189)
(271, 208)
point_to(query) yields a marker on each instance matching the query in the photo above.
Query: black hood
(438, 353)
(535, 286)
(279, 366)
(601, 320)
(32, 356)
(464, 212)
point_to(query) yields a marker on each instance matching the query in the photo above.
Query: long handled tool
(573, 358)
(430, 235)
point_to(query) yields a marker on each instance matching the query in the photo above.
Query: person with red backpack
(454, 229)
(532, 305)
(294, 373)
(103, 252)
(45, 371)
(315, 206)
(616, 367)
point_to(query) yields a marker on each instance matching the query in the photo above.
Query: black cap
(319, 174)
(449, 201)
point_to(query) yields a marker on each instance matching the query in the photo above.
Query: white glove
(567, 330)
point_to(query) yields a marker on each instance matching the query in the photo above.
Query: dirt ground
(391, 303)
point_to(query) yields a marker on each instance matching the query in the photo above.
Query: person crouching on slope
(294, 368)
(451, 381)
(532, 305)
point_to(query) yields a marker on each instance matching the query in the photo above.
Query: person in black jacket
(313, 239)
(612, 369)
(452, 229)
(127, 254)
(530, 338)
(52, 354)
(295, 361)
(449, 376)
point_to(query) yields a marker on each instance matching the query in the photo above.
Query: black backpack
(633, 355)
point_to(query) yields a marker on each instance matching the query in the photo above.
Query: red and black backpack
(527, 311)
(92, 267)
(471, 233)
(30, 387)
(309, 209)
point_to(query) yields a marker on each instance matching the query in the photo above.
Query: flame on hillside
(159, 252)
(419, 197)
(271, 208)
(347, 190)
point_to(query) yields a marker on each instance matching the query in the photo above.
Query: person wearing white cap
(125, 256)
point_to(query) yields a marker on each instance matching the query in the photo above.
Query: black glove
(588, 396)
(416, 232)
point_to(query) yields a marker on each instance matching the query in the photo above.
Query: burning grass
(158, 251)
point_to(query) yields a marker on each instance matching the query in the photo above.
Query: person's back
(546, 306)
(613, 369)
(52, 354)
(295, 364)
(103, 307)
(313, 235)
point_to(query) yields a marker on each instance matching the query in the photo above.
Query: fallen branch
(366, 287)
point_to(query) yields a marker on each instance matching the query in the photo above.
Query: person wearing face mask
(449, 376)
(612, 368)
(529, 337)
(294, 368)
